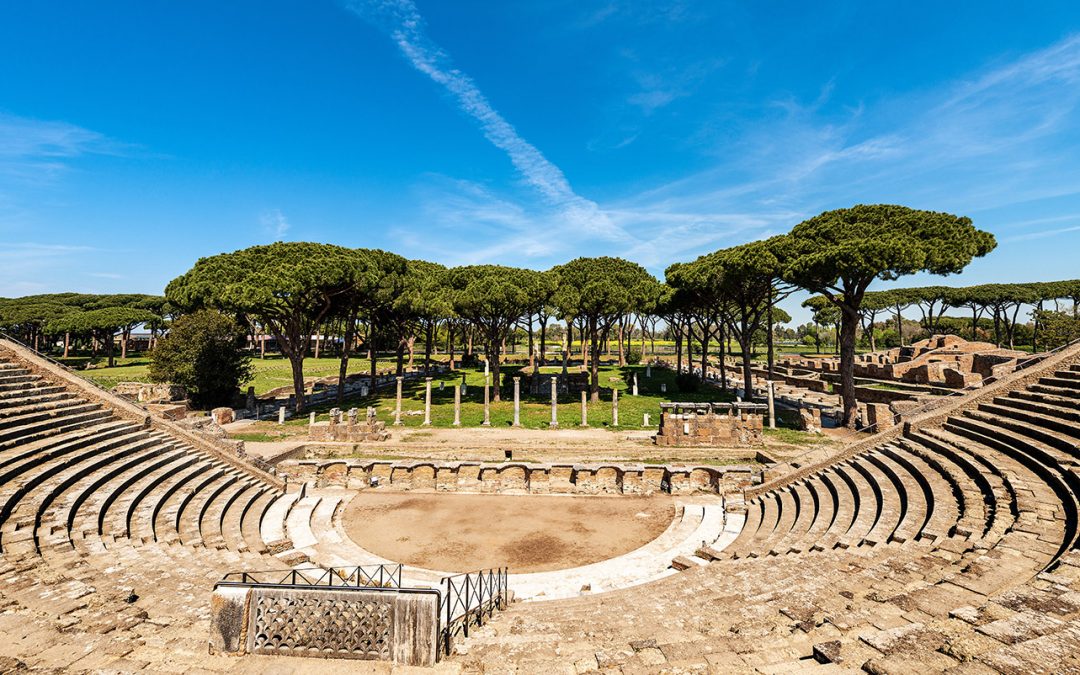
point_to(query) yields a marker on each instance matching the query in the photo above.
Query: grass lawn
(535, 411)
(274, 372)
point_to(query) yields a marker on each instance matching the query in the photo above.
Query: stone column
(614, 407)
(397, 409)
(457, 405)
(584, 408)
(281, 415)
(772, 405)
(487, 402)
(635, 384)
(517, 401)
(554, 401)
(311, 419)
(427, 401)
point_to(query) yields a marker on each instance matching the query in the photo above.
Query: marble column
(397, 409)
(554, 401)
(517, 401)
(487, 402)
(427, 401)
(457, 404)
(584, 408)
(614, 407)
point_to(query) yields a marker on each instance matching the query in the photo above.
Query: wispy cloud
(405, 25)
(37, 150)
(274, 224)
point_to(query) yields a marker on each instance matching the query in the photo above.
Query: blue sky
(136, 137)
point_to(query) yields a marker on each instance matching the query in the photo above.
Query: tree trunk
(123, 343)
(705, 332)
(722, 335)
(899, 327)
(450, 343)
(622, 356)
(1035, 331)
(678, 348)
(346, 346)
(67, 344)
(532, 344)
(849, 321)
(427, 346)
(373, 356)
(296, 362)
(769, 334)
(411, 344)
(109, 348)
(494, 352)
(400, 353)
(594, 363)
(543, 339)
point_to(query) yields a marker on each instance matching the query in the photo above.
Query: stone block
(223, 416)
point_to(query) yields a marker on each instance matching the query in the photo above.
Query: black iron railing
(368, 576)
(468, 598)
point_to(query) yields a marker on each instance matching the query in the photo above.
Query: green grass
(258, 437)
(535, 411)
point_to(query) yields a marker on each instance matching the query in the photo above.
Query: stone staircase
(950, 545)
(113, 531)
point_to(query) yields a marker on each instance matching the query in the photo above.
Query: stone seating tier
(948, 544)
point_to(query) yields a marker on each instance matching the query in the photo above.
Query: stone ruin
(946, 361)
(165, 399)
(351, 430)
(711, 424)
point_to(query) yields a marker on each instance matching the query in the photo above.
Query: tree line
(82, 319)
(292, 291)
(999, 304)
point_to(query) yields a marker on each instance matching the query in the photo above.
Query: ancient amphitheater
(948, 544)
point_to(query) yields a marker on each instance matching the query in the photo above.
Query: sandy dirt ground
(528, 533)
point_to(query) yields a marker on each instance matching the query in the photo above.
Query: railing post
(466, 605)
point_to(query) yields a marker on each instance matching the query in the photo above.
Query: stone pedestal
(517, 401)
(223, 416)
(554, 401)
(772, 405)
(281, 415)
(487, 402)
(427, 402)
(397, 408)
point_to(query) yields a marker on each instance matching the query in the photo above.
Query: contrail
(403, 22)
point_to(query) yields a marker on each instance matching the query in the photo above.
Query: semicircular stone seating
(111, 532)
(949, 545)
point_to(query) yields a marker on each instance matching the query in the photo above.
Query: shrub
(633, 356)
(687, 382)
(203, 353)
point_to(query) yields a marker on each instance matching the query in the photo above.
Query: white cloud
(37, 150)
(274, 224)
(403, 22)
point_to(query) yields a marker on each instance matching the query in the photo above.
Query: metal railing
(367, 577)
(469, 598)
